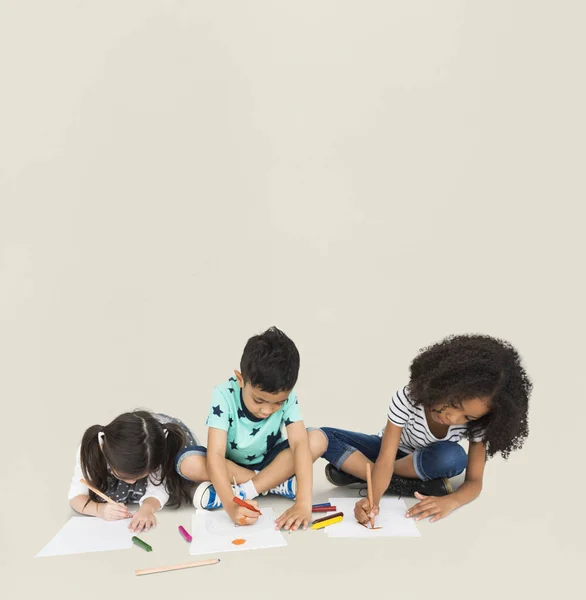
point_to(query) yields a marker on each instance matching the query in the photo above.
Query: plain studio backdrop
(177, 176)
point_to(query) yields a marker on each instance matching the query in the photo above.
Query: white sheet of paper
(89, 534)
(214, 531)
(391, 518)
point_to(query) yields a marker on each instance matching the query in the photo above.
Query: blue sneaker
(205, 496)
(287, 489)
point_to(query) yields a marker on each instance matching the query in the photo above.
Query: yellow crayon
(327, 522)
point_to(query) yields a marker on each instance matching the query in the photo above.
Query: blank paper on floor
(214, 532)
(391, 519)
(89, 534)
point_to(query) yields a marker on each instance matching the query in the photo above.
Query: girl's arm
(472, 486)
(439, 507)
(109, 512)
(156, 495)
(385, 463)
(78, 498)
(81, 505)
(381, 474)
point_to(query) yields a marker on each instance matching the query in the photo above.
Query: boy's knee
(318, 442)
(193, 467)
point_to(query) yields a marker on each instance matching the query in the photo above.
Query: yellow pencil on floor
(325, 521)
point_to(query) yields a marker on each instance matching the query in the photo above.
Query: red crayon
(323, 509)
(246, 505)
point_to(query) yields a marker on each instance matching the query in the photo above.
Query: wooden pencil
(97, 492)
(369, 491)
(198, 563)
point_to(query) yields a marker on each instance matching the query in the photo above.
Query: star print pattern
(249, 438)
(272, 439)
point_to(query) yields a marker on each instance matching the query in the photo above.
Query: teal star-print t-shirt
(249, 438)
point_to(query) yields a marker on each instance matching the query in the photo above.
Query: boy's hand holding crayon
(241, 515)
(364, 512)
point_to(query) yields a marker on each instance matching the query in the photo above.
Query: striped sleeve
(400, 409)
(479, 437)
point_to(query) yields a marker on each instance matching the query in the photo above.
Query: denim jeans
(442, 459)
(200, 450)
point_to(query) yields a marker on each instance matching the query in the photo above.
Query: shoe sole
(197, 495)
(329, 478)
(448, 485)
(356, 481)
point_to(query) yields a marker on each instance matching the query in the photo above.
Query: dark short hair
(270, 362)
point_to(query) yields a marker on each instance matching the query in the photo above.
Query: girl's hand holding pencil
(113, 511)
(364, 512)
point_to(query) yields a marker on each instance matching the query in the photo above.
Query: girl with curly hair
(466, 386)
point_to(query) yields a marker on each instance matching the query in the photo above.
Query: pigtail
(93, 463)
(179, 489)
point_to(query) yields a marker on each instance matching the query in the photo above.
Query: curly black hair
(462, 367)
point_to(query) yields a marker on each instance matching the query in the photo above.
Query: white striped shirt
(404, 413)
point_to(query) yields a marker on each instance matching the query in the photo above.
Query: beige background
(369, 176)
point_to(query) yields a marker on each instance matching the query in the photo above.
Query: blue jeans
(269, 457)
(442, 459)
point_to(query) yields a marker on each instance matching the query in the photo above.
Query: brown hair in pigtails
(93, 463)
(179, 489)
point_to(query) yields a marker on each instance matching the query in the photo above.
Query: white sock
(249, 490)
(264, 493)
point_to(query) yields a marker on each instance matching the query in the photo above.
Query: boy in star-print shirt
(245, 437)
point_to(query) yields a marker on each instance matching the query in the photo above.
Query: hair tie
(100, 438)
(166, 432)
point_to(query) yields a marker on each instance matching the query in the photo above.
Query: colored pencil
(338, 514)
(101, 495)
(241, 502)
(323, 509)
(369, 488)
(321, 505)
(97, 492)
(327, 523)
(199, 563)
